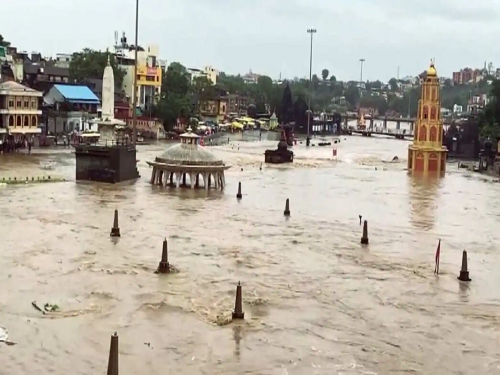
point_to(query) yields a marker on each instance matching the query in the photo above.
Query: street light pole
(308, 139)
(134, 101)
(361, 61)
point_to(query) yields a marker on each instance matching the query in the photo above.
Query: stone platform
(106, 163)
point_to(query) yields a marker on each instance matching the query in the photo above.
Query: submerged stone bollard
(238, 304)
(164, 266)
(113, 356)
(238, 195)
(115, 231)
(464, 272)
(364, 238)
(287, 208)
(360, 217)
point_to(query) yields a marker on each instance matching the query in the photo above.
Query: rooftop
(189, 153)
(77, 93)
(17, 87)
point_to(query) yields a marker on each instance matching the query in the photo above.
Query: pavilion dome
(188, 152)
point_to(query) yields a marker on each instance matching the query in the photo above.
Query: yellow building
(427, 155)
(19, 110)
(148, 84)
(149, 75)
(213, 109)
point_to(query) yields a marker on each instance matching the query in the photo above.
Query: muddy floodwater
(315, 300)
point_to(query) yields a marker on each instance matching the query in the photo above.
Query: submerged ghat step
(30, 180)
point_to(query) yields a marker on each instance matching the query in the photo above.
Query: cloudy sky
(269, 36)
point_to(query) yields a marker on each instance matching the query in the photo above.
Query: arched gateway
(189, 165)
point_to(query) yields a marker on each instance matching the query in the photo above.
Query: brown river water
(316, 301)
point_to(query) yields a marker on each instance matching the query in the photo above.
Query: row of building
(63, 107)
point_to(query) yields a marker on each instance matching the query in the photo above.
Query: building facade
(19, 111)
(427, 155)
(149, 72)
(70, 108)
(214, 110)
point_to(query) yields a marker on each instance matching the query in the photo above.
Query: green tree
(324, 74)
(3, 42)
(203, 87)
(393, 84)
(177, 95)
(489, 119)
(90, 64)
(265, 86)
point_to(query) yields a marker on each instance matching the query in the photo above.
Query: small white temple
(107, 123)
(188, 159)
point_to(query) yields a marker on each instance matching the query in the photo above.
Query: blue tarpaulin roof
(74, 93)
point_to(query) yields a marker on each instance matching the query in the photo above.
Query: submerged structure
(183, 164)
(287, 115)
(112, 159)
(427, 155)
(281, 155)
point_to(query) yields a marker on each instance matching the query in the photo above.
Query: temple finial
(189, 130)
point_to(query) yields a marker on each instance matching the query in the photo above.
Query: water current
(316, 301)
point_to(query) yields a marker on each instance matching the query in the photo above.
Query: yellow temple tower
(427, 155)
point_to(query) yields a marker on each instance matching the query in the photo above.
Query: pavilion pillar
(153, 175)
(165, 179)
(205, 181)
(160, 177)
(177, 179)
(191, 179)
(223, 180)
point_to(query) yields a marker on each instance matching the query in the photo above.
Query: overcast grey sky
(269, 36)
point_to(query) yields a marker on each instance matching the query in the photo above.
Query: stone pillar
(153, 175)
(217, 180)
(178, 176)
(223, 180)
(165, 179)
(205, 180)
(191, 179)
(160, 177)
(398, 125)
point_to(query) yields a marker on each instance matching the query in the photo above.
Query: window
(11, 120)
(19, 104)
(34, 104)
(34, 121)
(150, 79)
(19, 121)
(26, 103)
(26, 121)
(11, 103)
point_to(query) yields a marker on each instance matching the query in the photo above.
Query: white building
(208, 71)
(457, 108)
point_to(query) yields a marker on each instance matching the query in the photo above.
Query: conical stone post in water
(238, 195)
(164, 266)
(364, 238)
(113, 356)
(238, 304)
(464, 272)
(287, 208)
(115, 231)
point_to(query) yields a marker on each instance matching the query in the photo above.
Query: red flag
(438, 253)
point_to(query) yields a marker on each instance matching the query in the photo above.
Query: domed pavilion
(184, 163)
